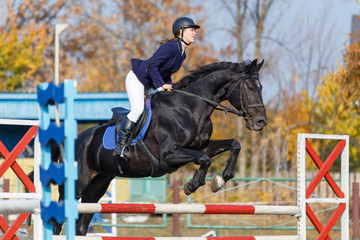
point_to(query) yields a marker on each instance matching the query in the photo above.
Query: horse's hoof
(188, 188)
(217, 183)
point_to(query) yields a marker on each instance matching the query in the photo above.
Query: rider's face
(189, 35)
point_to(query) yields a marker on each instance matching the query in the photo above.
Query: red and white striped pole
(33, 206)
(186, 209)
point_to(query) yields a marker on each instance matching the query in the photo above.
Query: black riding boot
(124, 128)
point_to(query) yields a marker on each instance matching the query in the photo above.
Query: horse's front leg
(216, 147)
(180, 156)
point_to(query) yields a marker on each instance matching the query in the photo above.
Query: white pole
(38, 224)
(20, 206)
(58, 29)
(113, 215)
(301, 186)
(345, 188)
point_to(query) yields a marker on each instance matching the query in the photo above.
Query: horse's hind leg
(56, 157)
(181, 156)
(56, 226)
(92, 194)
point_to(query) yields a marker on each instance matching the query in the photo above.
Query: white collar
(183, 47)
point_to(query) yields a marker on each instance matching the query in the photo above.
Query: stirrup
(116, 152)
(123, 153)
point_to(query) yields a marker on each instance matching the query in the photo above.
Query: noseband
(243, 112)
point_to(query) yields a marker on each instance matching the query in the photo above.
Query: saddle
(110, 136)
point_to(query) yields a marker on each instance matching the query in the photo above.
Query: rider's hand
(167, 87)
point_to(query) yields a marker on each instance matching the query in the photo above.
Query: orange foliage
(132, 30)
(103, 36)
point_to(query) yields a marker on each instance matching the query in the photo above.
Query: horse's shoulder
(167, 99)
(88, 131)
(100, 129)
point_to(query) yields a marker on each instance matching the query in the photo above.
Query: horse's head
(245, 95)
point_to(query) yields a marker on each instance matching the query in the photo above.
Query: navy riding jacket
(157, 70)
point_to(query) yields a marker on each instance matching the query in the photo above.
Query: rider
(151, 74)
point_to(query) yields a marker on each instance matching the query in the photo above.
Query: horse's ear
(260, 65)
(251, 66)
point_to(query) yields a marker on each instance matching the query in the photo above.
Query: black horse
(179, 133)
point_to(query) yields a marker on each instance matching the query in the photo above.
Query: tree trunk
(254, 162)
(242, 155)
(255, 155)
(241, 10)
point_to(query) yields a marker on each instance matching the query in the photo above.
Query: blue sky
(340, 12)
(292, 22)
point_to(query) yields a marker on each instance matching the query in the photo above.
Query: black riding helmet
(182, 23)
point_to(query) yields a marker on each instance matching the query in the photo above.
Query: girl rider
(154, 73)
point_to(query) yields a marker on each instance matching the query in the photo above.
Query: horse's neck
(210, 86)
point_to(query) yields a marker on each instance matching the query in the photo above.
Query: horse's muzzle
(257, 123)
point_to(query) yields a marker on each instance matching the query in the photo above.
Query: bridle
(243, 112)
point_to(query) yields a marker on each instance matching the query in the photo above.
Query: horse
(179, 133)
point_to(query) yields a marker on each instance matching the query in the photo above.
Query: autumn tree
(109, 34)
(103, 36)
(41, 15)
(296, 57)
(238, 12)
(247, 22)
(337, 110)
(351, 75)
(261, 11)
(21, 51)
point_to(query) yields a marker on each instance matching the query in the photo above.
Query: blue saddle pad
(109, 142)
(109, 138)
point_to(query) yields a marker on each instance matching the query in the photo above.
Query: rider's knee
(135, 114)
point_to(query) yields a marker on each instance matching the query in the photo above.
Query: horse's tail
(57, 152)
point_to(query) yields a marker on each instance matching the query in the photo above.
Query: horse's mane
(207, 69)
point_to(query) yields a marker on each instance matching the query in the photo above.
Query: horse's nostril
(262, 122)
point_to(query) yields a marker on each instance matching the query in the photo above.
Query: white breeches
(135, 90)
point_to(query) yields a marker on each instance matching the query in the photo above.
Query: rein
(223, 108)
(218, 106)
(242, 113)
